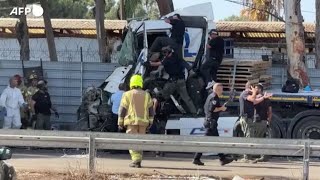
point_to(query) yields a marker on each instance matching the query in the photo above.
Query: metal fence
(66, 80)
(94, 141)
(63, 56)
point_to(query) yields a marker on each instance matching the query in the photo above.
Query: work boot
(135, 165)
(245, 160)
(261, 159)
(198, 162)
(225, 161)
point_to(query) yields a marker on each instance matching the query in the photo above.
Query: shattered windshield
(127, 52)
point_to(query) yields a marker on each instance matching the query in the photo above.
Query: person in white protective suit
(11, 100)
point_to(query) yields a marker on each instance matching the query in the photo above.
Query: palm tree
(49, 31)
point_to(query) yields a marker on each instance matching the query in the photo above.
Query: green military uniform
(26, 95)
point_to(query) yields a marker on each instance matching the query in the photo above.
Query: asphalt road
(172, 164)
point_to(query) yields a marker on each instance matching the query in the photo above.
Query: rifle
(232, 92)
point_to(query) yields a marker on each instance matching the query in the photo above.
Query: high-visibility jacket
(138, 106)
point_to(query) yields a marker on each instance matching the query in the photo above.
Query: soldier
(32, 89)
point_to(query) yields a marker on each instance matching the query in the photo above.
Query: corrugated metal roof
(257, 26)
(72, 24)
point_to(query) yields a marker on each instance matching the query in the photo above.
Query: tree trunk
(317, 34)
(295, 42)
(101, 33)
(165, 6)
(49, 31)
(24, 35)
(122, 10)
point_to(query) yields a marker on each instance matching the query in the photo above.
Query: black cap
(213, 31)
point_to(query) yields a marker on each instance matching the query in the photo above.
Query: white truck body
(193, 40)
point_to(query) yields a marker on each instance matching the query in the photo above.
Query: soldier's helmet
(33, 76)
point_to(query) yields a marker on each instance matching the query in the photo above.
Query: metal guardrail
(95, 140)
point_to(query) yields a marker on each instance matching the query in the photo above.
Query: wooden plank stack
(254, 71)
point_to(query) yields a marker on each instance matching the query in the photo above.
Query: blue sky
(223, 9)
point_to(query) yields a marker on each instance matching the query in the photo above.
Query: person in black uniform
(177, 31)
(212, 109)
(176, 83)
(214, 57)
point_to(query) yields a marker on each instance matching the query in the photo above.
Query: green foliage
(79, 9)
(136, 9)
(236, 18)
(68, 9)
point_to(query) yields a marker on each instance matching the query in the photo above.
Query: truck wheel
(274, 130)
(307, 128)
(237, 131)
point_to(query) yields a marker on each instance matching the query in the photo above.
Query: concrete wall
(64, 81)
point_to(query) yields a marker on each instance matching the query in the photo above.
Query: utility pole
(122, 10)
(295, 42)
(101, 32)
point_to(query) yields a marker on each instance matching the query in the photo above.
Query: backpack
(291, 86)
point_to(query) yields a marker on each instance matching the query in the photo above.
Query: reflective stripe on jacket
(137, 103)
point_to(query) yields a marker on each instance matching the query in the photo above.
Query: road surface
(172, 164)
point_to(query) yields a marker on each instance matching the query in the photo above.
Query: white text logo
(35, 9)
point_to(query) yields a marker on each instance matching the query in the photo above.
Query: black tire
(237, 131)
(307, 128)
(274, 130)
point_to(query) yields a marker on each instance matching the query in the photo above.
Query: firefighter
(264, 111)
(136, 114)
(248, 99)
(212, 109)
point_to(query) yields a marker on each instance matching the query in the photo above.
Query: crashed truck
(295, 115)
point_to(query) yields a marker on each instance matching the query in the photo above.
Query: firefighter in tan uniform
(136, 114)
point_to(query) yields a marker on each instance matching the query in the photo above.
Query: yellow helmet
(136, 81)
